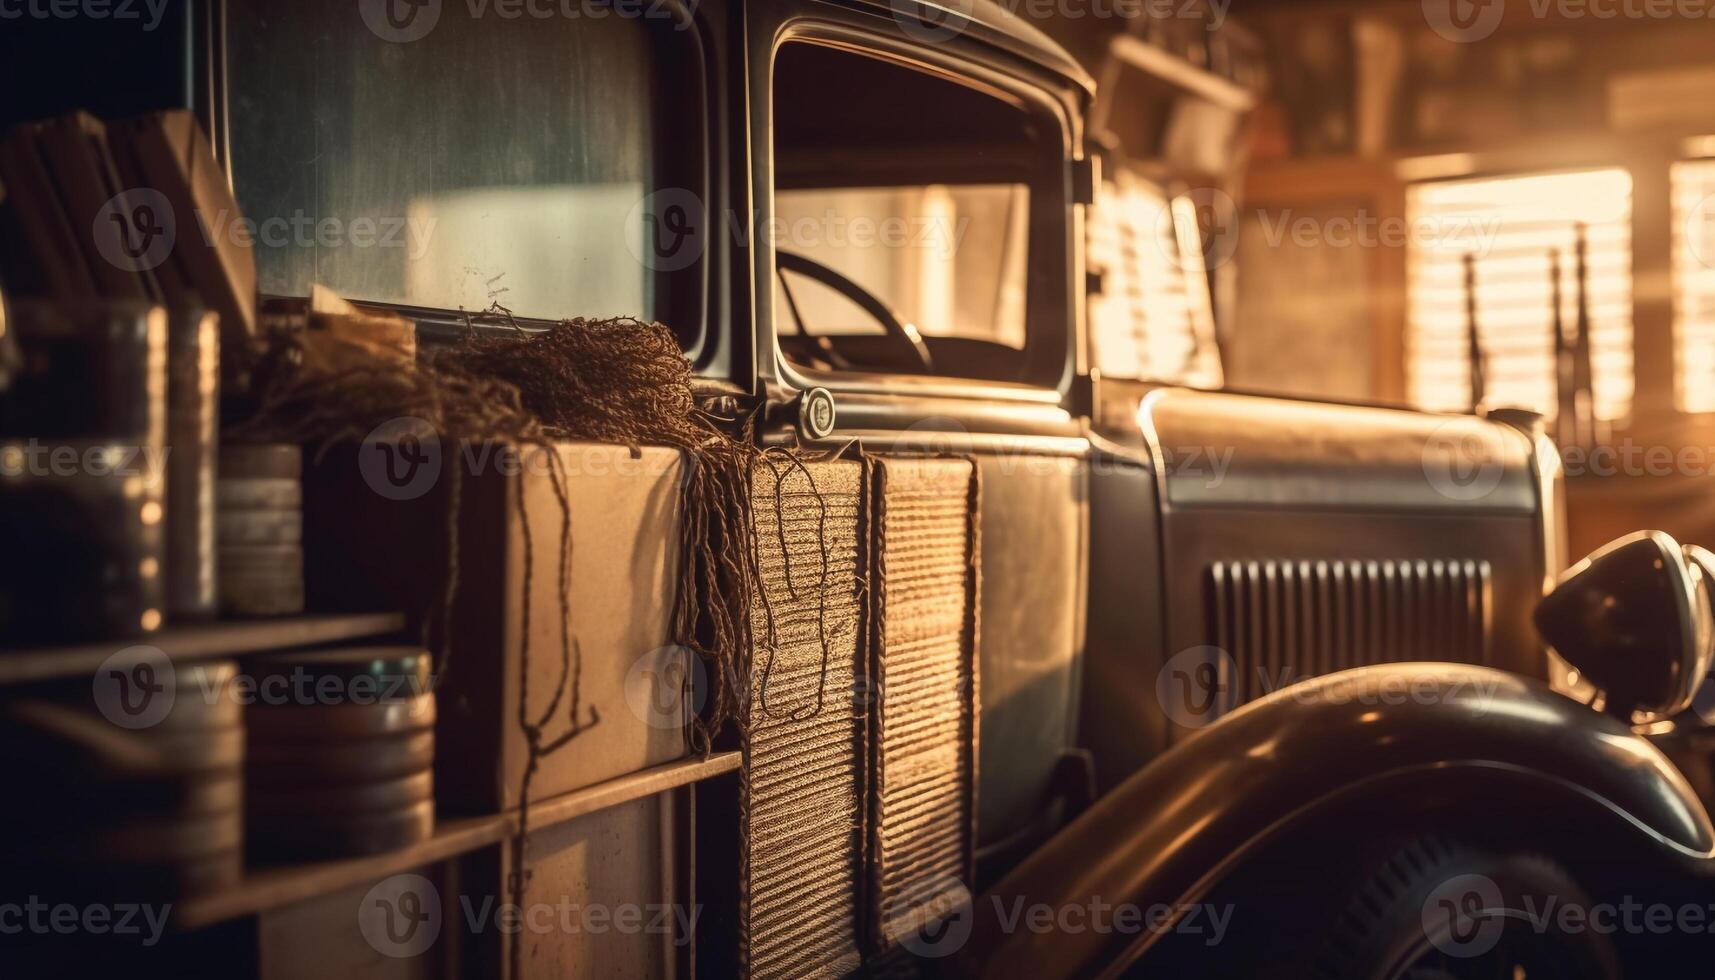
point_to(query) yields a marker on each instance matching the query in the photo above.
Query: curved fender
(1163, 833)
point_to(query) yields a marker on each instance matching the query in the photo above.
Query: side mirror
(1637, 618)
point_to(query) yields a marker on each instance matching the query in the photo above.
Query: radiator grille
(802, 782)
(1285, 621)
(925, 725)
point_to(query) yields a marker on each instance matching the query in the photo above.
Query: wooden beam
(203, 641)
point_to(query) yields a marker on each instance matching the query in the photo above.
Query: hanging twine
(626, 381)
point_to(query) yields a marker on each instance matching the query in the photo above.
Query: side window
(915, 222)
(484, 160)
(1153, 319)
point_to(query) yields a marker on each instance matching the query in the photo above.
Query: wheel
(904, 335)
(1438, 910)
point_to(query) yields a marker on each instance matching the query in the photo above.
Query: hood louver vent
(1284, 621)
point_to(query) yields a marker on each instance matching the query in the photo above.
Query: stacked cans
(82, 430)
(193, 438)
(341, 753)
(260, 529)
(129, 788)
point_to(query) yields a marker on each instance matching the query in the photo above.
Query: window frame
(693, 295)
(1054, 303)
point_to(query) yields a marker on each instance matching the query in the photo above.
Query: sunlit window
(1502, 249)
(1694, 284)
(949, 258)
(1152, 319)
(384, 172)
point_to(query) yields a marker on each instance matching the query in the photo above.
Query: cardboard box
(608, 895)
(376, 537)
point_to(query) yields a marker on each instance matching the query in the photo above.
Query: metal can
(259, 505)
(82, 471)
(193, 439)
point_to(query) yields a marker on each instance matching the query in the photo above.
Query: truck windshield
(948, 258)
(932, 197)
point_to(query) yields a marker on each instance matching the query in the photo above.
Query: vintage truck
(1250, 687)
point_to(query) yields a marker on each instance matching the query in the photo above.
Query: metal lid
(246, 461)
(406, 663)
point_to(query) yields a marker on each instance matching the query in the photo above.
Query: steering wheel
(903, 333)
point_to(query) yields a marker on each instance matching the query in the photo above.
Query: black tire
(1438, 910)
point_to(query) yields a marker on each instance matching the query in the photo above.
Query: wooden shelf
(198, 642)
(1181, 74)
(273, 888)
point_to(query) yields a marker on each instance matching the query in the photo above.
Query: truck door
(914, 249)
